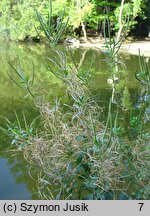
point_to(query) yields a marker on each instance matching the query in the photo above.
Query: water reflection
(12, 186)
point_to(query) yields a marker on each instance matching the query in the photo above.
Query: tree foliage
(19, 20)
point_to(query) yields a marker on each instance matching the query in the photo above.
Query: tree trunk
(84, 31)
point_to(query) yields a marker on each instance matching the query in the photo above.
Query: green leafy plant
(143, 73)
(21, 79)
(20, 135)
(52, 31)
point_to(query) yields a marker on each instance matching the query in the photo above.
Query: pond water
(15, 181)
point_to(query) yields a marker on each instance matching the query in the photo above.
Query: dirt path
(127, 47)
(133, 48)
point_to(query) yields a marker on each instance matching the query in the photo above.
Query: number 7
(141, 206)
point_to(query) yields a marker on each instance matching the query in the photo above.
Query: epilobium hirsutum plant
(21, 79)
(53, 31)
(76, 162)
(81, 157)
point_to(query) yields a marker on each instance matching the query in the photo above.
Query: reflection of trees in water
(26, 55)
(20, 169)
(11, 105)
(29, 53)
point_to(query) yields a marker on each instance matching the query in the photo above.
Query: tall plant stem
(108, 121)
(121, 24)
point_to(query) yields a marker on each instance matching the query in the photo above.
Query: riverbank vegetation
(82, 156)
(19, 21)
(79, 153)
